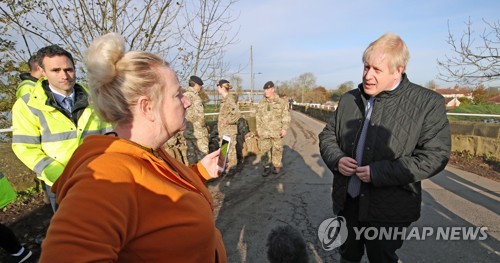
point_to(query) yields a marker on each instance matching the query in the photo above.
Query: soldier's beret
(222, 81)
(224, 84)
(196, 80)
(269, 85)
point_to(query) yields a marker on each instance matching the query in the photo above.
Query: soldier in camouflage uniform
(227, 124)
(196, 133)
(176, 147)
(273, 120)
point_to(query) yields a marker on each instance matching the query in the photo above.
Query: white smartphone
(224, 151)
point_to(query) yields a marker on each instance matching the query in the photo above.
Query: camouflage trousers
(271, 151)
(232, 157)
(196, 149)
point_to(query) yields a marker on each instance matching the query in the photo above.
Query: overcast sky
(327, 38)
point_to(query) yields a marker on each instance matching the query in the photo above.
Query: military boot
(267, 171)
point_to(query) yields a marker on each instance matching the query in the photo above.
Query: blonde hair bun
(101, 58)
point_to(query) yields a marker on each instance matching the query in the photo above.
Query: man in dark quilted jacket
(384, 138)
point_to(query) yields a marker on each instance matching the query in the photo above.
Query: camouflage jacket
(272, 116)
(195, 116)
(228, 116)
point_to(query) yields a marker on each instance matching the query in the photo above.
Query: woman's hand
(210, 163)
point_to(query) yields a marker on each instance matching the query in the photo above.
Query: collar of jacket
(43, 99)
(27, 76)
(192, 89)
(276, 98)
(229, 96)
(403, 85)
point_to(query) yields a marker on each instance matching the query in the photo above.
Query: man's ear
(40, 69)
(400, 70)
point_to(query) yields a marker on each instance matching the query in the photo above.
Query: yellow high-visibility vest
(44, 136)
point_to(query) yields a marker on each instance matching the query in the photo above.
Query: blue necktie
(354, 183)
(68, 103)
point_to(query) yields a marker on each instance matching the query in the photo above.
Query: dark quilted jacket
(408, 140)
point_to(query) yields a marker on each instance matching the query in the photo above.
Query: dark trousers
(377, 250)
(8, 240)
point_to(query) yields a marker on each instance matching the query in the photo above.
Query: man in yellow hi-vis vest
(29, 79)
(51, 121)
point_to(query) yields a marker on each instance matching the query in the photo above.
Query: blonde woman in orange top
(121, 197)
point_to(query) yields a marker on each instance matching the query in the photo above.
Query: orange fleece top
(119, 202)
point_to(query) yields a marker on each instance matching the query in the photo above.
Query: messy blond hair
(227, 86)
(118, 78)
(393, 47)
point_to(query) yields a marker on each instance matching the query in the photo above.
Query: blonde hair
(227, 86)
(393, 47)
(118, 78)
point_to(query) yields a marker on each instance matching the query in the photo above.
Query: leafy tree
(341, 89)
(472, 62)
(345, 87)
(317, 95)
(464, 101)
(8, 83)
(479, 95)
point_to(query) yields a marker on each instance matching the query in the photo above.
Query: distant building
(494, 100)
(451, 96)
(455, 93)
(330, 105)
(451, 103)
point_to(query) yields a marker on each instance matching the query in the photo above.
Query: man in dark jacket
(383, 139)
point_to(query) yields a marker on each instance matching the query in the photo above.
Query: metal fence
(7, 130)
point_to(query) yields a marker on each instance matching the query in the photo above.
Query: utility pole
(302, 99)
(251, 75)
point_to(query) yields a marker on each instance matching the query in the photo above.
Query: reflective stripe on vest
(40, 166)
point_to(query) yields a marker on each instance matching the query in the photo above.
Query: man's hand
(347, 166)
(363, 174)
(283, 133)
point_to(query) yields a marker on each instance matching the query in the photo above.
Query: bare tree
(208, 33)
(305, 82)
(472, 62)
(288, 88)
(236, 81)
(146, 25)
(156, 26)
(431, 84)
